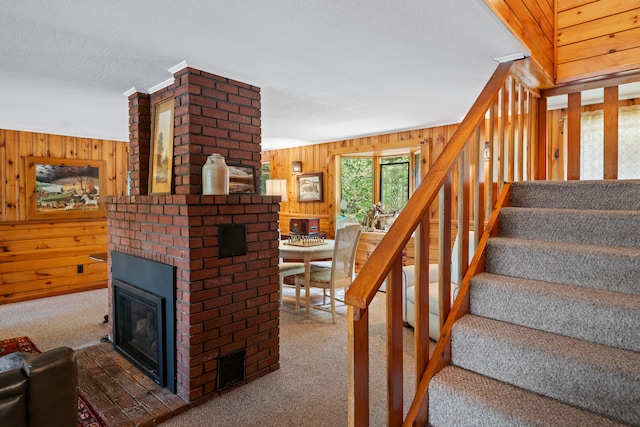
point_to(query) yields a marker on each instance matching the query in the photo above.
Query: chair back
(344, 254)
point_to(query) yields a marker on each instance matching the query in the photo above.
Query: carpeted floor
(86, 415)
(309, 389)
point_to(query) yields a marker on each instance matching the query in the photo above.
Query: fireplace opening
(144, 316)
(139, 329)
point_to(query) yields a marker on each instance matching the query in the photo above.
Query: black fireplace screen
(146, 290)
(139, 329)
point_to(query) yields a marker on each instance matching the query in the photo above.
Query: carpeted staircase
(553, 334)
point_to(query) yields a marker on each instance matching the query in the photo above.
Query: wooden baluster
(444, 269)
(511, 123)
(463, 216)
(502, 143)
(521, 121)
(491, 195)
(421, 297)
(478, 206)
(358, 335)
(611, 132)
(573, 137)
(395, 408)
(530, 137)
(541, 138)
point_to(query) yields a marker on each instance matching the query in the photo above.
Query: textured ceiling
(327, 69)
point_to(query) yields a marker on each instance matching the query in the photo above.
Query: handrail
(508, 118)
(497, 116)
(373, 273)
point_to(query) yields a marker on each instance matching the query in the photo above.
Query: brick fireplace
(228, 305)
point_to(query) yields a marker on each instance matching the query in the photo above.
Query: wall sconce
(277, 187)
(296, 167)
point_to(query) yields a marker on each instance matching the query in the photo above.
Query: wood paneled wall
(44, 258)
(596, 37)
(532, 22)
(314, 158)
(324, 157)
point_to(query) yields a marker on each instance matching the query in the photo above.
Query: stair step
(592, 227)
(462, 398)
(602, 195)
(604, 317)
(600, 267)
(606, 380)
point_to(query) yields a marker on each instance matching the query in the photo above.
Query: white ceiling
(328, 69)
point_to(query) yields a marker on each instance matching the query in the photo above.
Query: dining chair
(289, 269)
(340, 272)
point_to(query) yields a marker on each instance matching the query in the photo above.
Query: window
(394, 183)
(592, 144)
(265, 173)
(359, 194)
(356, 183)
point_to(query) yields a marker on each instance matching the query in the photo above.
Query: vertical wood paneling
(556, 152)
(3, 171)
(322, 158)
(12, 174)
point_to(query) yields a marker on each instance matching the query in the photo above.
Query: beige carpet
(73, 320)
(309, 389)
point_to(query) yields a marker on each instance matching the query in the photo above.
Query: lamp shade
(277, 187)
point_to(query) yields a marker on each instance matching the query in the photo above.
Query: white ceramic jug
(215, 175)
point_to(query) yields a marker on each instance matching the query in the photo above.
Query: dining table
(321, 251)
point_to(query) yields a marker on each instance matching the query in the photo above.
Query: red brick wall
(223, 304)
(212, 114)
(139, 142)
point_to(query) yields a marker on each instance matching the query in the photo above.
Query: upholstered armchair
(408, 288)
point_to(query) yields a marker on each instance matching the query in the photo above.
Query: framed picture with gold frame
(65, 188)
(161, 153)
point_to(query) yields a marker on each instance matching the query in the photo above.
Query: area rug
(86, 415)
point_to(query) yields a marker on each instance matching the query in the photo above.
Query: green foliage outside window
(265, 172)
(394, 180)
(357, 186)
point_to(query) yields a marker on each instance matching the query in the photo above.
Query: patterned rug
(86, 416)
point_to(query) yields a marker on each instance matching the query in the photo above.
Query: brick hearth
(119, 393)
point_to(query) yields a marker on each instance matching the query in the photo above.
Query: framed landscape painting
(65, 188)
(310, 187)
(161, 156)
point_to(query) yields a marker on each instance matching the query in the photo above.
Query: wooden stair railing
(566, 165)
(497, 142)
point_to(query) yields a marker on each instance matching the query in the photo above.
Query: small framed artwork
(310, 187)
(65, 188)
(161, 155)
(242, 179)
